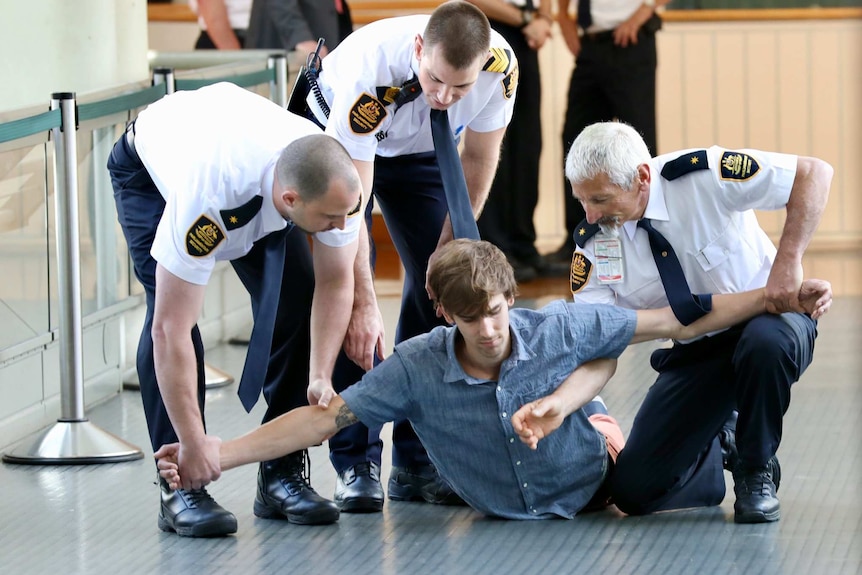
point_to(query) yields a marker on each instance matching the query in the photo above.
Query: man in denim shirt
(459, 387)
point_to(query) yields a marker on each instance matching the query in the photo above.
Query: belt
(130, 140)
(605, 36)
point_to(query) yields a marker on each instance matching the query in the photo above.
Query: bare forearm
(586, 382)
(176, 373)
(300, 428)
(218, 24)
(362, 272)
(479, 160)
(727, 310)
(805, 207)
(330, 314)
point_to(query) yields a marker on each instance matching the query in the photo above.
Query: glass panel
(23, 232)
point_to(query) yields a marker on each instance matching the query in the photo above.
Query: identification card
(609, 259)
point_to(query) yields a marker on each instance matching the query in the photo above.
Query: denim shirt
(464, 422)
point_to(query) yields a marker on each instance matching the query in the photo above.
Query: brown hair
(467, 273)
(460, 30)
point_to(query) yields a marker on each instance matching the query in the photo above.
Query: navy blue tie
(585, 18)
(686, 306)
(452, 174)
(260, 342)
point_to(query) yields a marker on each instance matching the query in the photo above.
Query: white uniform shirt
(707, 217)
(382, 54)
(214, 150)
(608, 14)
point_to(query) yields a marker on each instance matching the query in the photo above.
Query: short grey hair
(611, 148)
(310, 163)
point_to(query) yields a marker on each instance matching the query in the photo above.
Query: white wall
(69, 46)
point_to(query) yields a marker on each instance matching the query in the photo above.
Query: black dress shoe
(284, 492)
(421, 483)
(755, 489)
(358, 489)
(193, 513)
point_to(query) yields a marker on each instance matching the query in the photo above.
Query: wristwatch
(650, 3)
(528, 15)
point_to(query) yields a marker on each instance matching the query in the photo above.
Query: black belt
(130, 140)
(605, 36)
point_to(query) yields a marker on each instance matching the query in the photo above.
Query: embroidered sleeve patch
(581, 270)
(203, 237)
(366, 114)
(238, 217)
(685, 164)
(510, 83)
(738, 166)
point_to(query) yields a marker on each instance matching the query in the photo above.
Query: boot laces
(195, 497)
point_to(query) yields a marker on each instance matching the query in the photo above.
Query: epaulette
(685, 164)
(238, 217)
(499, 60)
(584, 232)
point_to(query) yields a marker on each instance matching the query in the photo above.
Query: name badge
(609, 259)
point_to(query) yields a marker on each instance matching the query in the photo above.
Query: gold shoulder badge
(738, 166)
(355, 209)
(499, 60)
(580, 273)
(366, 114)
(203, 237)
(510, 83)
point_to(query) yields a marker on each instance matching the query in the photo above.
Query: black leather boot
(284, 492)
(193, 513)
(755, 489)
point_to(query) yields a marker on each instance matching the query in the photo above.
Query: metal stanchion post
(278, 87)
(73, 439)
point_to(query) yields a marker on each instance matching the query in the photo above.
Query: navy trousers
(672, 458)
(139, 210)
(411, 198)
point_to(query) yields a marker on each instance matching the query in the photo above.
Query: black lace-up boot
(284, 492)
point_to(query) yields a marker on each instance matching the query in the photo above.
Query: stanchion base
(214, 378)
(74, 443)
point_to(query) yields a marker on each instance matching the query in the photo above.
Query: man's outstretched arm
(540, 418)
(298, 429)
(815, 297)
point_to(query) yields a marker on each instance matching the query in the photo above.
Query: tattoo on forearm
(344, 417)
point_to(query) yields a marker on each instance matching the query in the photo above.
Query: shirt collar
(521, 351)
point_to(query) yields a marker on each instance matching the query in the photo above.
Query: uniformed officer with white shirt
(218, 174)
(380, 86)
(701, 201)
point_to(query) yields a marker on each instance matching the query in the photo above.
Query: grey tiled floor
(102, 518)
